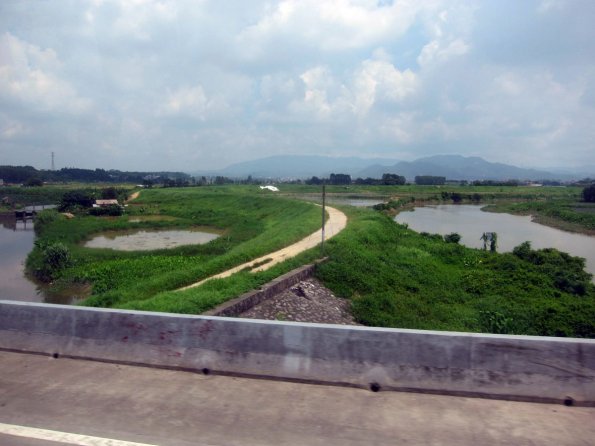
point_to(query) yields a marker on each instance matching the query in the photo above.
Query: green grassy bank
(393, 276)
(396, 277)
(251, 224)
(569, 215)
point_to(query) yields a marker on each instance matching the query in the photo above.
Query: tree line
(31, 176)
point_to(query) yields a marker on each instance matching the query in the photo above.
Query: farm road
(335, 223)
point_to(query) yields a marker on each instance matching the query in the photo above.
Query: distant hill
(301, 166)
(457, 167)
(453, 167)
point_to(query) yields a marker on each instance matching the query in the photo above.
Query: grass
(567, 214)
(393, 276)
(398, 278)
(253, 224)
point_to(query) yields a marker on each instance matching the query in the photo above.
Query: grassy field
(393, 276)
(396, 277)
(569, 215)
(252, 224)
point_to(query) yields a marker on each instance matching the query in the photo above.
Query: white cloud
(332, 25)
(31, 75)
(380, 80)
(190, 101)
(438, 51)
(10, 128)
(134, 83)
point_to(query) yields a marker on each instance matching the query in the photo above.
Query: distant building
(104, 203)
(271, 188)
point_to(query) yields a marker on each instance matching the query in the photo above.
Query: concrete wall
(512, 367)
(250, 299)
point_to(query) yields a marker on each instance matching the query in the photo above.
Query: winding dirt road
(335, 223)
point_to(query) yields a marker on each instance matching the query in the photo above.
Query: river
(471, 222)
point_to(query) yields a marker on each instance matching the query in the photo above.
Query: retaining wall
(509, 367)
(252, 298)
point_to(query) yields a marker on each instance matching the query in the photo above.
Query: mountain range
(453, 167)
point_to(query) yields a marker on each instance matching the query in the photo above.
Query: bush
(452, 238)
(589, 193)
(45, 218)
(75, 199)
(567, 271)
(112, 210)
(49, 260)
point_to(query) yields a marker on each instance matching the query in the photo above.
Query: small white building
(104, 203)
(271, 188)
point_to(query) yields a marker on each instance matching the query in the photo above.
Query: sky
(191, 85)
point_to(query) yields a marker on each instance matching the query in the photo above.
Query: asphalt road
(46, 401)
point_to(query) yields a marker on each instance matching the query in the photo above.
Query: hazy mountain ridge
(453, 167)
(457, 167)
(300, 166)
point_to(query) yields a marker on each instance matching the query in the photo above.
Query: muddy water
(471, 222)
(16, 241)
(146, 240)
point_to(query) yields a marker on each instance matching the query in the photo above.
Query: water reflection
(16, 241)
(470, 222)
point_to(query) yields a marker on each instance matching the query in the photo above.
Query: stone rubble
(307, 301)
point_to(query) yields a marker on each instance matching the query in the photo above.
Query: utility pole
(53, 165)
(323, 216)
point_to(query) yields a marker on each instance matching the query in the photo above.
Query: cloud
(153, 84)
(30, 75)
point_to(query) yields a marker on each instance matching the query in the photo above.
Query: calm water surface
(470, 222)
(146, 240)
(16, 241)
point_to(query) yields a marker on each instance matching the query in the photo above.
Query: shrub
(452, 238)
(113, 210)
(49, 260)
(589, 193)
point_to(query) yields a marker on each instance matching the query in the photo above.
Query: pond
(146, 240)
(471, 222)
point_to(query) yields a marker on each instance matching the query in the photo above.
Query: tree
(109, 193)
(34, 182)
(429, 180)
(589, 193)
(75, 198)
(391, 179)
(340, 178)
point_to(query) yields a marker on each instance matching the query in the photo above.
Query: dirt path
(336, 223)
(134, 196)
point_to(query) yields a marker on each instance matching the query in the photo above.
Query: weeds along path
(335, 223)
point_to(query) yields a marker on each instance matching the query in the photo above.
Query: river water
(471, 222)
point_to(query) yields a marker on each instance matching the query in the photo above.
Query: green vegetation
(589, 193)
(396, 277)
(570, 215)
(252, 223)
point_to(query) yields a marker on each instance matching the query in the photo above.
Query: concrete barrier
(507, 367)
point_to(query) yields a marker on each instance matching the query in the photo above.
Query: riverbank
(570, 216)
(396, 277)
